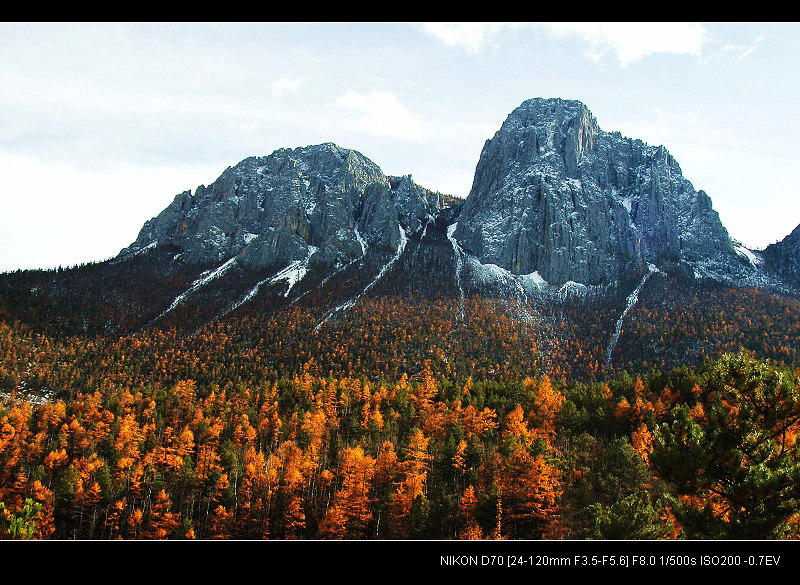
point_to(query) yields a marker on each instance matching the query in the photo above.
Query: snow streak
(457, 252)
(755, 261)
(207, 277)
(633, 298)
(295, 272)
(425, 231)
(145, 249)
(292, 274)
(361, 241)
(364, 247)
(351, 302)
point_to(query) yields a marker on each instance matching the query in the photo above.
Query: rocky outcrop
(270, 211)
(783, 258)
(556, 195)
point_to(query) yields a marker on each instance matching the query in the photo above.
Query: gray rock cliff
(783, 258)
(555, 194)
(323, 200)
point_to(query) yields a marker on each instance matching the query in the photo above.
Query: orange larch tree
(413, 471)
(351, 511)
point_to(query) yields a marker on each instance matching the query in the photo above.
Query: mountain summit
(323, 203)
(555, 194)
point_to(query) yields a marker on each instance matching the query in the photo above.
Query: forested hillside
(400, 422)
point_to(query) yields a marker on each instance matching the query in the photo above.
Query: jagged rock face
(270, 211)
(555, 200)
(555, 194)
(783, 257)
(416, 206)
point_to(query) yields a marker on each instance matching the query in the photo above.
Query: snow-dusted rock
(558, 207)
(273, 210)
(555, 194)
(783, 258)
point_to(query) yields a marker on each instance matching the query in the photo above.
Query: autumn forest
(398, 422)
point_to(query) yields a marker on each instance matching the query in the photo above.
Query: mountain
(321, 205)
(574, 235)
(556, 202)
(555, 194)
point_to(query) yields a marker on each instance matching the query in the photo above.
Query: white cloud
(382, 115)
(470, 36)
(629, 41)
(743, 50)
(633, 41)
(285, 84)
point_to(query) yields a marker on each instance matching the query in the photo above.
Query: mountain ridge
(555, 201)
(269, 210)
(320, 234)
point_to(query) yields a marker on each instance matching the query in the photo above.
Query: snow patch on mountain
(489, 273)
(572, 288)
(754, 259)
(458, 254)
(534, 279)
(630, 302)
(521, 287)
(295, 272)
(428, 221)
(149, 246)
(362, 242)
(292, 274)
(347, 305)
(200, 282)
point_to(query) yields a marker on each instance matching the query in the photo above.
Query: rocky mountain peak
(556, 195)
(321, 202)
(565, 127)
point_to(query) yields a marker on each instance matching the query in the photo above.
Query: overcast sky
(102, 124)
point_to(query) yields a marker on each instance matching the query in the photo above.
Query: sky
(102, 124)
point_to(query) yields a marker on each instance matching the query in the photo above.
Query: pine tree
(736, 467)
